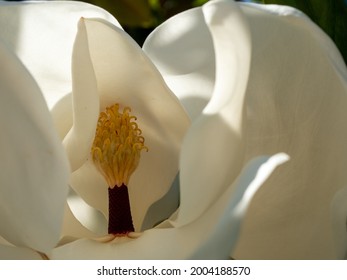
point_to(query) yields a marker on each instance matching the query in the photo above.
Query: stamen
(116, 153)
(117, 145)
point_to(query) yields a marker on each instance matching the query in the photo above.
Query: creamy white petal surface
(296, 103)
(85, 101)
(297, 100)
(34, 169)
(200, 239)
(16, 253)
(10, 252)
(74, 228)
(42, 34)
(339, 222)
(213, 151)
(182, 50)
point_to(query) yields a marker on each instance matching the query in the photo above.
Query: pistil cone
(120, 220)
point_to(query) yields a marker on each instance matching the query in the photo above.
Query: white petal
(85, 100)
(62, 115)
(225, 235)
(73, 229)
(182, 49)
(126, 76)
(212, 236)
(88, 216)
(164, 207)
(42, 34)
(34, 169)
(16, 253)
(213, 151)
(297, 103)
(339, 219)
(89, 183)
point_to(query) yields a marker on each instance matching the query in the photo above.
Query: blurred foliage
(145, 13)
(132, 13)
(140, 17)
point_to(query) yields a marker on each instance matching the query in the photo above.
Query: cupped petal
(34, 169)
(42, 34)
(126, 76)
(297, 104)
(73, 229)
(91, 186)
(213, 151)
(88, 216)
(182, 50)
(163, 208)
(212, 236)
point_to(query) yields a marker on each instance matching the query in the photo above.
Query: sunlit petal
(36, 30)
(213, 151)
(85, 101)
(297, 101)
(182, 50)
(34, 169)
(225, 236)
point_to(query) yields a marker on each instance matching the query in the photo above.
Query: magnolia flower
(243, 101)
(111, 80)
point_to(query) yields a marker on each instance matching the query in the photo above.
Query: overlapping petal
(213, 151)
(296, 103)
(34, 169)
(297, 100)
(184, 59)
(339, 222)
(42, 34)
(15, 253)
(85, 102)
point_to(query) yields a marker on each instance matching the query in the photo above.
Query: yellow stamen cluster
(117, 145)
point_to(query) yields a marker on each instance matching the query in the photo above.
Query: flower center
(116, 153)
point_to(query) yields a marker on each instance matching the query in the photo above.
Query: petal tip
(81, 23)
